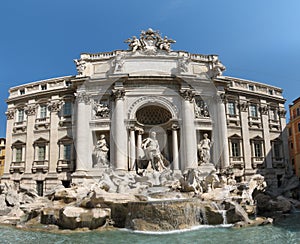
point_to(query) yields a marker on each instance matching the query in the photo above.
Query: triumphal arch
(127, 97)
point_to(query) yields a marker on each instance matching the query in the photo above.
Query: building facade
(71, 128)
(294, 135)
(2, 155)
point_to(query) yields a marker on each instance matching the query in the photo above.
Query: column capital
(10, 114)
(83, 97)
(118, 93)
(243, 106)
(175, 126)
(264, 109)
(187, 93)
(31, 109)
(282, 113)
(55, 106)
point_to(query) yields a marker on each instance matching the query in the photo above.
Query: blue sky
(256, 40)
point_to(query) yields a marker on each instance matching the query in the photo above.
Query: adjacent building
(56, 127)
(294, 135)
(2, 155)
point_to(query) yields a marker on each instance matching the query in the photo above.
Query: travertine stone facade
(118, 98)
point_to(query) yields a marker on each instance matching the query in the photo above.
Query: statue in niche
(152, 152)
(204, 150)
(101, 152)
(102, 110)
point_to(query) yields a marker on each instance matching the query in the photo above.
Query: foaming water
(198, 227)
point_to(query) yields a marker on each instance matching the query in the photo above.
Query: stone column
(243, 107)
(119, 130)
(175, 147)
(9, 154)
(284, 134)
(82, 131)
(54, 108)
(223, 132)
(264, 110)
(31, 112)
(189, 141)
(139, 149)
(132, 149)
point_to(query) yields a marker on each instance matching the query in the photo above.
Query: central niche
(153, 115)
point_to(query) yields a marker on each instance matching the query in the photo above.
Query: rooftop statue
(150, 41)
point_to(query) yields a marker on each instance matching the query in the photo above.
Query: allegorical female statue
(204, 150)
(101, 152)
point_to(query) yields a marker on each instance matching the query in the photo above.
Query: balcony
(237, 162)
(65, 165)
(278, 162)
(42, 123)
(40, 165)
(17, 167)
(19, 127)
(257, 162)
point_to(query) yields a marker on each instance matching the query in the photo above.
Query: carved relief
(101, 110)
(183, 64)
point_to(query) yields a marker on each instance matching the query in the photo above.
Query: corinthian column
(82, 128)
(119, 132)
(188, 130)
(223, 131)
(132, 148)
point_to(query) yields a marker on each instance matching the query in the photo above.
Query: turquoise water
(284, 231)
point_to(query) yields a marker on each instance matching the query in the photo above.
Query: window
(19, 154)
(44, 87)
(299, 127)
(253, 110)
(235, 149)
(298, 111)
(258, 149)
(22, 91)
(277, 150)
(231, 108)
(43, 111)
(67, 152)
(273, 114)
(67, 109)
(270, 92)
(41, 153)
(68, 83)
(20, 115)
(251, 87)
(40, 187)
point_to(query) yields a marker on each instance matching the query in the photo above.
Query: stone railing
(17, 167)
(40, 165)
(65, 165)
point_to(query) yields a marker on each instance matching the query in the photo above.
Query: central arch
(154, 101)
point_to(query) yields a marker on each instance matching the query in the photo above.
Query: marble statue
(134, 44)
(152, 152)
(204, 150)
(101, 152)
